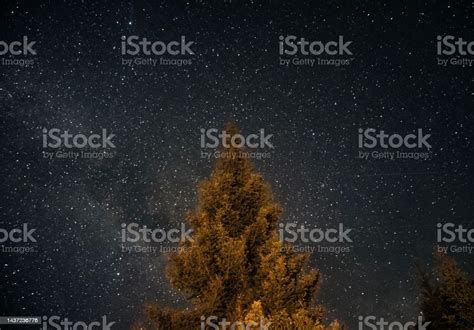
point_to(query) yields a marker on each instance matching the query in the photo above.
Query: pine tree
(236, 267)
(447, 295)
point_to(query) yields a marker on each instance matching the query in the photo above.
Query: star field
(78, 83)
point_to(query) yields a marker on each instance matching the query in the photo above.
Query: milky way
(79, 82)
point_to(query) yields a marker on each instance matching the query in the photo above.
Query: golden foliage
(447, 295)
(236, 267)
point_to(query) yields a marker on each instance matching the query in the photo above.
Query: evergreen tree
(236, 267)
(447, 295)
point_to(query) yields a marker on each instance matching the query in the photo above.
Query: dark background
(78, 84)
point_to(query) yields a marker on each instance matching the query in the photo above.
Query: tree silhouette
(447, 295)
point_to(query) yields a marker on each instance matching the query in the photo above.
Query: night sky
(78, 83)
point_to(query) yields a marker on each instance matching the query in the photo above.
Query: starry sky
(78, 83)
